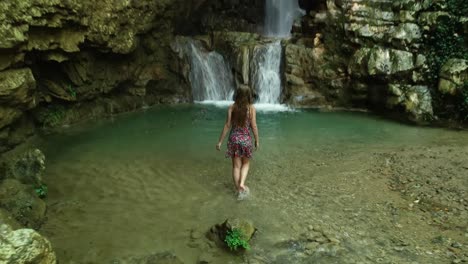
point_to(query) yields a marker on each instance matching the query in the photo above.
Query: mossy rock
(218, 232)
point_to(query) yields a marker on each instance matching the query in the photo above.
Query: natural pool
(152, 181)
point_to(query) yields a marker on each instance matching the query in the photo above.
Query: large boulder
(453, 75)
(416, 100)
(24, 246)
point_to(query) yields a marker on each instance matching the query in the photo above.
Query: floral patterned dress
(240, 141)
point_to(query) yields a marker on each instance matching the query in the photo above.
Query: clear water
(143, 182)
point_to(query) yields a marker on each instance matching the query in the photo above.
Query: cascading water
(210, 75)
(266, 61)
(265, 69)
(280, 16)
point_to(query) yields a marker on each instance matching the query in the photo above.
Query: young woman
(241, 118)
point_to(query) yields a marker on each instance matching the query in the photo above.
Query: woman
(241, 118)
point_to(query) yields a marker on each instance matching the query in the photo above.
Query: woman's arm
(253, 123)
(226, 128)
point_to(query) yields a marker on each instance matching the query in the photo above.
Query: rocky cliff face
(59, 59)
(374, 53)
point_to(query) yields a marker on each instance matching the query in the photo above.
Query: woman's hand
(218, 146)
(257, 145)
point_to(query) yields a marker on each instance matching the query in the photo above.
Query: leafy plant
(41, 191)
(235, 239)
(71, 91)
(463, 103)
(446, 41)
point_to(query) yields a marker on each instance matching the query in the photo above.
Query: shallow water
(143, 183)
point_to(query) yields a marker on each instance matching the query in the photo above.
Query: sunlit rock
(416, 100)
(381, 61)
(453, 75)
(24, 246)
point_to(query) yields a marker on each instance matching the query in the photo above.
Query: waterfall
(210, 75)
(265, 72)
(280, 16)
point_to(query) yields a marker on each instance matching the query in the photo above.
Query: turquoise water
(142, 183)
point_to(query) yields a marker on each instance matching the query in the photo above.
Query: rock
(381, 61)
(407, 32)
(453, 75)
(24, 246)
(17, 88)
(8, 115)
(60, 91)
(7, 219)
(22, 202)
(218, 232)
(205, 258)
(416, 100)
(8, 59)
(29, 168)
(389, 61)
(431, 18)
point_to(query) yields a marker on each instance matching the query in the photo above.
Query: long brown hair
(242, 102)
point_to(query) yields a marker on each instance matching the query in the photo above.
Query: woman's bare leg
(236, 171)
(243, 173)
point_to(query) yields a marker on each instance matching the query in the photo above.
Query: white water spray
(265, 72)
(210, 74)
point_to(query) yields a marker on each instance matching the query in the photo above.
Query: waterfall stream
(265, 72)
(210, 74)
(280, 16)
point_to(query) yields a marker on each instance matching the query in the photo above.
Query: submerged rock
(24, 246)
(22, 202)
(218, 232)
(158, 258)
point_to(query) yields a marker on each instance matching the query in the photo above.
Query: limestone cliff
(60, 58)
(377, 54)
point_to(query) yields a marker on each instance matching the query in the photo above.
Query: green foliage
(41, 191)
(447, 41)
(462, 105)
(444, 43)
(457, 7)
(52, 116)
(235, 239)
(71, 91)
